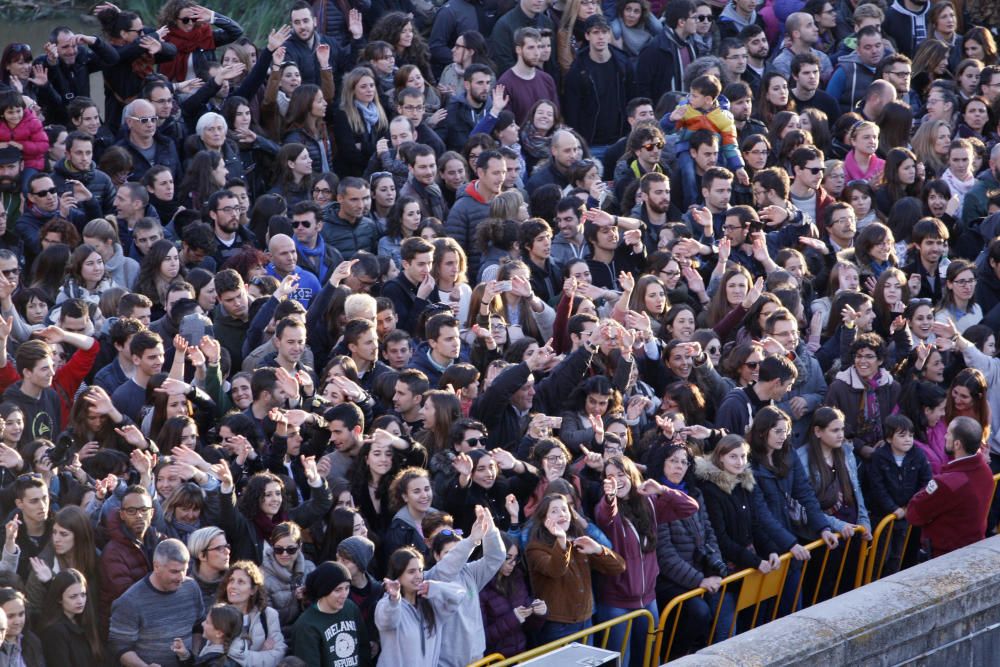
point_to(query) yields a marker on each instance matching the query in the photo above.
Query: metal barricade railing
(756, 588)
(604, 628)
(881, 546)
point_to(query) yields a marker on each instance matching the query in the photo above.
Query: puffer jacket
(745, 528)
(281, 583)
(678, 542)
(349, 238)
(635, 588)
(470, 209)
(795, 484)
(124, 561)
(505, 634)
(31, 135)
(93, 179)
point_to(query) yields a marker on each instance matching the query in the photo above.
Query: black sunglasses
(186, 20)
(280, 551)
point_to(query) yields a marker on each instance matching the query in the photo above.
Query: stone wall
(943, 612)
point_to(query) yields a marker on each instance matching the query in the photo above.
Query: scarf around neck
(141, 66)
(369, 113)
(200, 38)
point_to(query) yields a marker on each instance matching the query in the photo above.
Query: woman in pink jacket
(22, 129)
(629, 514)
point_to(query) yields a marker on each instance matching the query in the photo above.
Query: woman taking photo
(560, 558)
(358, 123)
(261, 642)
(285, 568)
(70, 632)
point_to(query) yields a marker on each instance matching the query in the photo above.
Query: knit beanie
(359, 549)
(326, 577)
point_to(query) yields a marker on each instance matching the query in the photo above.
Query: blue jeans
(637, 637)
(553, 630)
(689, 180)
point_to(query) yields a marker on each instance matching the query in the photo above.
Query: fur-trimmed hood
(704, 469)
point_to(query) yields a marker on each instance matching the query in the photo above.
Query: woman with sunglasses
(285, 568)
(196, 31)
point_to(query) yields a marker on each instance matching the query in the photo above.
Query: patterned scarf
(871, 413)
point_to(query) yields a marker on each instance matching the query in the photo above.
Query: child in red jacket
(22, 129)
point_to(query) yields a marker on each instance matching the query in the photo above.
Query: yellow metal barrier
(605, 628)
(881, 543)
(755, 588)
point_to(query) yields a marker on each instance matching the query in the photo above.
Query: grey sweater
(146, 620)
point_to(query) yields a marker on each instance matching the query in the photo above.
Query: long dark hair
(767, 418)
(149, 269)
(53, 611)
(249, 503)
(197, 182)
(635, 508)
(541, 533)
(398, 562)
(819, 473)
(917, 396)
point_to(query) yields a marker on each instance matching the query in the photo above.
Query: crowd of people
(425, 331)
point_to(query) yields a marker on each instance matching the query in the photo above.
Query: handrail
(604, 627)
(760, 588)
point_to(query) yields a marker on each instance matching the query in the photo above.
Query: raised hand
(651, 488)
(323, 55)
(39, 75)
(173, 386)
(610, 488)
(513, 507)
(211, 348)
(463, 465)
(41, 569)
(10, 532)
(354, 24)
(278, 37)
(627, 282)
(223, 474)
(587, 545)
(392, 587)
(754, 293)
(520, 286)
(310, 470)
(500, 98)
(151, 44)
(132, 435)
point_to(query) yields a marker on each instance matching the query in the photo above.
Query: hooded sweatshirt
(467, 642)
(42, 415)
(123, 270)
(404, 633)
(470, 208)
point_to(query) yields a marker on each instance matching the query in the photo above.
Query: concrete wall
(943, 612)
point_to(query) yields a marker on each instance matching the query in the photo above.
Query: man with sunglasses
(45, 202)
(806, 191)
(144, 145)
(315, 255)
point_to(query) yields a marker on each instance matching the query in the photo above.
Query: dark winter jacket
(303, 54)
(470, 209)
(847, 393)
(65, 644)
(93, 179)
(795, 485)
(124, 561)
(122, 84)
(747, 531)
(891, 486)
(582, 100)
(165, 155)
(659, 69)
(71, 81)
(684, 547)
(454, 18)
(349, 238)
(353, 148)
(505, 634)
(460, 120)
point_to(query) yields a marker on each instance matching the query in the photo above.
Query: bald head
(880, 92)
(283, 254)
(801, 28)
(566, 149)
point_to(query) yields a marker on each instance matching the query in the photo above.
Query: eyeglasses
(322, 191)
(555, 459)
(186, 20)
(46, 193)
(451, 532)
(230, 209)
(780, 431)
(670, 274)
(133, 511)
(654, 146)
(306, 224)
(903, 72)
(752, 365)
(281, 551)
(704, 18)
(413, 107)
(966, 282)
(145, 120)
(815, 171)
(221, 548)
(475, 442)
(732, 228)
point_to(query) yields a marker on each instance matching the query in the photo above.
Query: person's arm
(224, 29)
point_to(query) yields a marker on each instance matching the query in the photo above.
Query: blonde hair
(354, 119)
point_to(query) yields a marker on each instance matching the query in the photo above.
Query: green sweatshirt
(332, 640)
